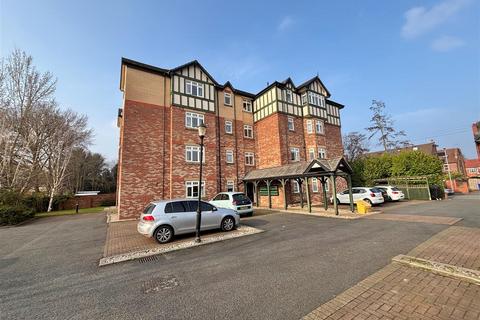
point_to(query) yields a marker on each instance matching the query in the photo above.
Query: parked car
(164, 219)
(370, 195)
(392, 193)
(449, 191)
(237, 201)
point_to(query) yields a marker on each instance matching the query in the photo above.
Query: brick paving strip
(416, 218)
(124, 243)
(400, 291)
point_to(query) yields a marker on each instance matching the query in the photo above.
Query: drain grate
(159, 284)
(148, 259)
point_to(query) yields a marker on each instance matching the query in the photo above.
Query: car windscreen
(149, 209)
(240, 197)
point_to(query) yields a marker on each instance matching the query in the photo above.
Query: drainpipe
(236, 140)
(164, 131)
(217, 132)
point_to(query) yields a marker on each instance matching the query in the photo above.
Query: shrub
(13, 214)
(107, 203)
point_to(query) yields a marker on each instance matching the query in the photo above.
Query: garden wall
(105, 199)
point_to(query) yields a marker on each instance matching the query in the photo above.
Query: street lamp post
(201, 133)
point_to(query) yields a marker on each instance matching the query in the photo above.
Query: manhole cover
(159, 284)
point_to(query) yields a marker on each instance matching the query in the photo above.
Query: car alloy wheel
(228, 224)
(163, 234)
(369, 201)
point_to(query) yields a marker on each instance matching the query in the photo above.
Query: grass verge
(68, 212)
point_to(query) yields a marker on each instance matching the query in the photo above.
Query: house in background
(428, 148)
(473, 173)
(476, 137)
(284, 124)
(454, 164)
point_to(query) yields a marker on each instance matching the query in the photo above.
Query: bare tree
(355, 145)
(24, 91)
(382, 124)
(70, 132)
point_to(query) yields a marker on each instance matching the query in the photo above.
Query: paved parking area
(416, 218)
(402, 292)
(49, 268)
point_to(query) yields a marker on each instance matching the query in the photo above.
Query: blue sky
(421, 57)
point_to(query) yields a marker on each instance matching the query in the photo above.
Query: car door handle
(173, 217)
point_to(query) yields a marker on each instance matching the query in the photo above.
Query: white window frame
(192, 86)
(291, 124)
(296, 154)
(295, 186)
(309, 126)
(229, 96)
(322, 153)
(289, 96)
(249, 155)
(314, 185)
(311, 153)
(248, 128)
(319, 126)
(190, 150)
(316, 99)
(229, 158)
(228, 124)
(247, 105)
(230, 183)
(190, 116)
(191, 184)
(304, 99)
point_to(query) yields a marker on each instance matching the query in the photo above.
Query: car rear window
(395, 189)
(376, 190)
(240, 197)
(149, 209)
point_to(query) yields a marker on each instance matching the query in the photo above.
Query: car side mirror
(214, 209)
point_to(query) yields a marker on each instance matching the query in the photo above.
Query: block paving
(402, 292)
(416, 218)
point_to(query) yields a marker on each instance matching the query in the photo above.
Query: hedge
(13, 214)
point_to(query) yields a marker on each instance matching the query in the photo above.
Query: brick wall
(88, 201)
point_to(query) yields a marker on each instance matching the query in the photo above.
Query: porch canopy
(302, 172)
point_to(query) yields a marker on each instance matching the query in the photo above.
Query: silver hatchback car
(166, 218)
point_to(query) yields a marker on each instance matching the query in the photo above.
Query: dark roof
(195, 62)
(143, 66)
(168, 72)
(299, 169)
(289, 80)
(306, 83)
(336, 104)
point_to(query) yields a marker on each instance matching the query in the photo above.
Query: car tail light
(372, 195)
(148, 218)
(395, 192)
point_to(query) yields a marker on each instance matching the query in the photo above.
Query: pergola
(302, 172)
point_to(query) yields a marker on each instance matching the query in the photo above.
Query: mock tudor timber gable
(245, 132)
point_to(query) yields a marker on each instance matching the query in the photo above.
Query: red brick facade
(154, 137)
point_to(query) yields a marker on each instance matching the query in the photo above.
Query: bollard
(76, 207)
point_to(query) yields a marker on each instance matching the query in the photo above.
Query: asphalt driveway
(48, 269)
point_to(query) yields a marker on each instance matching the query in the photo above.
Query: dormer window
(288, 96)
(194, 88)
(228, 99)
(316, 99)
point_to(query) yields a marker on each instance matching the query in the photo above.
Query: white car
(237, 201)
(393, 193)
(164, 219)
(370, 195)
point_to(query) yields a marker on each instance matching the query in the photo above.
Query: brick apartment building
(159, 151)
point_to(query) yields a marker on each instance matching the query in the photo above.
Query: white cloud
(420, 20)
(446, 43)
(286, 23)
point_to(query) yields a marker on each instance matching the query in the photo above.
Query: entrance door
(250, 192)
